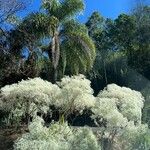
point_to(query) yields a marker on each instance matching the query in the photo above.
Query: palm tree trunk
(54, 75)
(55, 56)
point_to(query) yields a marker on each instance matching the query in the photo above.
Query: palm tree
(69, 45)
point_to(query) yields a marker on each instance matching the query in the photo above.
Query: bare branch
(9, 8)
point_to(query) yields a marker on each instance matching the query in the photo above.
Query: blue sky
(107, 8)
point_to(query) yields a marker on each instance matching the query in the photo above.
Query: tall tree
(68, 40)
(95, 24)
(99, 29)
(124, 33)
(142, 54)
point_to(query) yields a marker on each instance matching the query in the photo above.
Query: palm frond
(30, 30)
(84, 41)
(73, 26)
(36, 24)
(51, 7)
(80, 52)
(69, 8)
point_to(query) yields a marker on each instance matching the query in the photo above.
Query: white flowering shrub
(36, 95)
(128, 102)
(28, 97)
(77, 94)
(117, 106)
(117, 110)
(105, 109)
(56, 137)
(120, 109)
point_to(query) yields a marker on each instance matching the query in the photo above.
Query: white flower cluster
(106, 110)
(119, 108)
(118, 105)
(77, 93)
(36, 95)
(29, 97)
(56, 137)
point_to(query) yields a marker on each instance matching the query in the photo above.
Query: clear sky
(107, 8)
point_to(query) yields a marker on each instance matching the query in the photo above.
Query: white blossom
(106, 109)
(29, 96)
(57, 137)
(77, 81)
(36, 95)
(119, 108)
(76, 93)
(129, 102)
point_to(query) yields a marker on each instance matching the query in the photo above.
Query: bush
(116, 110)
(119, 110)
(29, 97)
(57, 137)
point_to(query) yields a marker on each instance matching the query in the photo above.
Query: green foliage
(95, 24)
(69, 8)
(78, 47)
(68, 41)
(122, 47)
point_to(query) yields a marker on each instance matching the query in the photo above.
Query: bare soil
(9, 135)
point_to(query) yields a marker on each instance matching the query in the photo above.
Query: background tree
(106, 68)
(123, 44)
(142, 54)
(8, 19)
